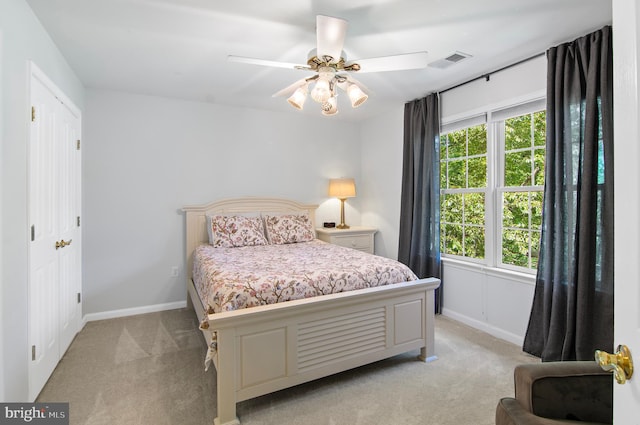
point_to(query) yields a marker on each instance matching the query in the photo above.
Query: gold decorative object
(342, 189)
(620, 363)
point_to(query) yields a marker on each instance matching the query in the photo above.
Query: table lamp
(342, 189)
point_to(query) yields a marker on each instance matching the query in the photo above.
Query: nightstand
(360, 238)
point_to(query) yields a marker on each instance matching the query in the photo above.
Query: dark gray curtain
(419, 244)
(572, 312)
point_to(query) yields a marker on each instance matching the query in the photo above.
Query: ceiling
(179, 48)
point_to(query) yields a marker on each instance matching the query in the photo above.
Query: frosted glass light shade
(321, 91)
(342, 188)
(298, 97)
(356, 95)
(330, 107)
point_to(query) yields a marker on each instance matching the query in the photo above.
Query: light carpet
(148, 369)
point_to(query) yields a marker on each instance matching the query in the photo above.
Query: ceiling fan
(332, 70)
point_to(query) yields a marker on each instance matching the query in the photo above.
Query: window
(521, 189)
(491, 190)
(463, 181)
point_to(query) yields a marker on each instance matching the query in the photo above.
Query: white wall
(23, 39)
(381, 141)
(144, 158)
(496, 302)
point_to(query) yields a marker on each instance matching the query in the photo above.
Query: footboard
(269, 348)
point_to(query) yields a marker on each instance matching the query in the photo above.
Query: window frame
(494, 119)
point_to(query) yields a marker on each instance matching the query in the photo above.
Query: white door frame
(626, 54)
(69, 109)
(2, 398)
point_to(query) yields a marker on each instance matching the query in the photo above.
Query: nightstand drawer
(356, 237)
(362, 242)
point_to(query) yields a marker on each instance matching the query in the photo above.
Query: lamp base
(342, 224)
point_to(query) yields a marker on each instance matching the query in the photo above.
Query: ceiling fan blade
(262, 62)
(350, 79)
(288, 91)
(417, 60)
(330, 33)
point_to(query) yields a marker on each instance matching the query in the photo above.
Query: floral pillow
(228, 231)
(288, 228)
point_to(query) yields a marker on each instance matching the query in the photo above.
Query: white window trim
(492, 117)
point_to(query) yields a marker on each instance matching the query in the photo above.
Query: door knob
(620, 363)
(62, 243)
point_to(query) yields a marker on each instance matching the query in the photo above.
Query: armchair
(558, 393)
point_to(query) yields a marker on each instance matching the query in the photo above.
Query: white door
(54, 208)
(69, 261)
(626, 48)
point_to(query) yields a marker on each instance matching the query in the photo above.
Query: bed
(269, 347)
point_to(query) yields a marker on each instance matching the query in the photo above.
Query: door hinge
(78, 221)
(33, 113)
(79, 298)
(33, 352)
(33, 233)
(78, 144)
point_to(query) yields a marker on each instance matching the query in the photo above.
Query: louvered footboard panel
(327, 341)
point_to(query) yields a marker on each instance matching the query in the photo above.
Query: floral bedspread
(234, 278)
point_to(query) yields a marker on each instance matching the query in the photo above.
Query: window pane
(457, 143)
(478, 172)
(535, 249)
(457, 174)
(521, 224)
(453, 241)
(451, 208)
(478, 140)
(443, 175)
(600, 161)
(536, 210)
(474, 208)
(515, 210)
(538, 157)
(540, 128)
(474, 241)
(517, 168)
(517, 132)
(515, 247)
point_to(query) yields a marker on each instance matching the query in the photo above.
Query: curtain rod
(488, 74)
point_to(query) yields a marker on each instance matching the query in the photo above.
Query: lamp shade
(342, 188)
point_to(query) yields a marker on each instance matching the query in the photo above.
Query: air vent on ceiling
(449, 60)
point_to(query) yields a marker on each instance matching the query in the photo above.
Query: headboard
(196, 230)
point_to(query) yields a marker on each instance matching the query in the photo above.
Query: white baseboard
(132, 311)
(484, 327)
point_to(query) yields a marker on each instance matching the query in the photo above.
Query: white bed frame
(268, 348)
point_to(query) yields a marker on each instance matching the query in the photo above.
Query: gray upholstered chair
(558, 393)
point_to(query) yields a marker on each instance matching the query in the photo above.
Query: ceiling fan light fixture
(330, 107)
(356, 95)
(322, 90)
(298, 97)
